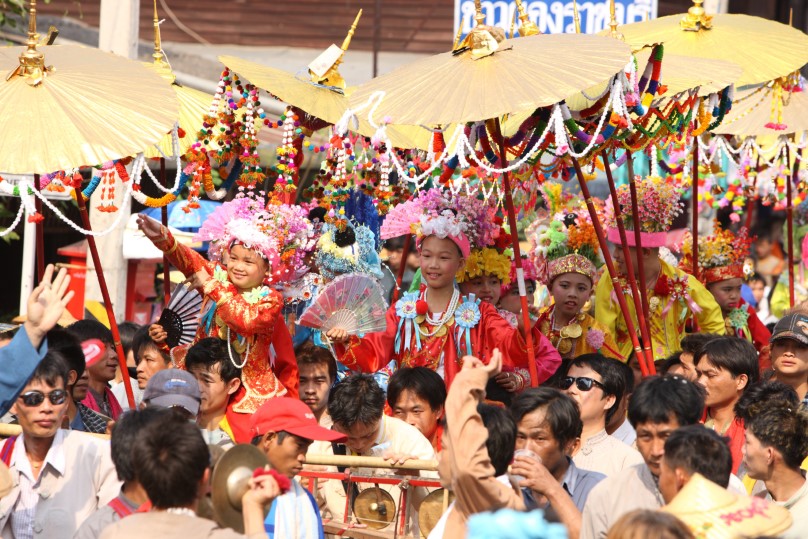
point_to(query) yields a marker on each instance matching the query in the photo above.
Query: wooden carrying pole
(102, 283)
(517, 256)
(40, 234)
(607, 257)
(350, 461)
(642, 314)
(164, 222)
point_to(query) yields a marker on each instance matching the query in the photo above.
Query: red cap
(93, 350)
(293, 416)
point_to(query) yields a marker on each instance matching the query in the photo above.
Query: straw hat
(6, 483)
(712, 512)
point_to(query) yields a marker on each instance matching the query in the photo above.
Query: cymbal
(431, 510)
(229, 483)
(375, 508)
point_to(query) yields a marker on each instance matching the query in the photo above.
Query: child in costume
(722, 269)
(673, 295)
(566, 256)
(435, 327)
(510, 304)
(251, 247)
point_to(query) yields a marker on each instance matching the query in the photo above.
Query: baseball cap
(293, 416)
(173, 387)
(94, 350)
(792, 326)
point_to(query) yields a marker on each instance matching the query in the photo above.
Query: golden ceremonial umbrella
(750, 119)
(523, 74)
(765, 49)
(193, 104)
(89, 108)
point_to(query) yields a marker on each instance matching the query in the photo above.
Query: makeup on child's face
(440, 261)
(487, 287)
(570, 292)
(245, 268)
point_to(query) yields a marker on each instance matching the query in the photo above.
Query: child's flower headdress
(350, 249)
(486, 261)
(568, 245)
(658, 204)
(722, 255)
(465, 220)
(279, 233)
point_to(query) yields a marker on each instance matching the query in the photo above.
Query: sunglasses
(35, 398)
(582, 383)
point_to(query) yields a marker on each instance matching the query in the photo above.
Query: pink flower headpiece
(466, 220)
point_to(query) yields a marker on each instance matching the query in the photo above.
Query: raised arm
(369, 353)
(183, 257)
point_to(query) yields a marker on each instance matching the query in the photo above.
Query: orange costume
(254, 327)
(473, 328)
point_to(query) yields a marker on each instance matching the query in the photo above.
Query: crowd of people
(554, 412)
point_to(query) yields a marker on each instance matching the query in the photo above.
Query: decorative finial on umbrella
(324, 69)
(696, 18)
(158, 48)
(32, 61)
(613, 23)
(478, 13)
(575, 17)
(527, 27)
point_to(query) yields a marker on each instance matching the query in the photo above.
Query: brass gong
(432, 509)
(375, 508)
(229, 483)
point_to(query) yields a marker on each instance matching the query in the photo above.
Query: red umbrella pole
(632, 281)
(102, 283)
(405, 253)
(635, 215)
(607, 257)
(752, 198)
(40, 235)
(164, 219)
(517, 255)
(696, 206)
(790, 222)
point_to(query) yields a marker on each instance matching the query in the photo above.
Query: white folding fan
(181, 317)
(353, 302)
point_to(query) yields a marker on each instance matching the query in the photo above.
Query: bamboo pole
(164, 220)
(40, 234)
(350, 461)
(607, 257)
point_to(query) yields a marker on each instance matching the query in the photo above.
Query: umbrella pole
(517, 255)
(635, 215)
(695, 271)
(607, 257)
(790, 222)
(750, 203)
(40, 235)
(401, 267)
(635, 294)
(164, 219)
(102, 283)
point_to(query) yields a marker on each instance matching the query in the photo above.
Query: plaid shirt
(93, 422)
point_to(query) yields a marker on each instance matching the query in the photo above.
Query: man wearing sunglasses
(60, 477)
(597, 385)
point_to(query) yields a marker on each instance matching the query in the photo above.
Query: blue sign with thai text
(554, 16)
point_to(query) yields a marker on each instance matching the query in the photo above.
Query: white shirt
(626, 434)
(606, 454)
(22, 518)
(120, 394)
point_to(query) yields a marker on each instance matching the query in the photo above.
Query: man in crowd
(659, 406)
(549, 425)
(132, 498)
(789, 353)
(317, 371)
(356, 406)
(19, 358)
(619, 425)
(478, 443)
(284, 428)
(417, 396)
(597, 385)
(172, 463)
(776, 444)
(689, 450)
(60, 477)
(691, 347)
(149, 357)
(102, 362)
(209, 362)
(726, 366)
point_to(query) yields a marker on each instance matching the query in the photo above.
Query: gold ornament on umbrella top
(526, 26)
(696, 18)
(32, 61)
(325, 68)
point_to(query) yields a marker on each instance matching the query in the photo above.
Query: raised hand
(151, 228)
(337, 335)
(493, 368)
(46, 304)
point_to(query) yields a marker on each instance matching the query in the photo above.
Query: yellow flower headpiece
(486, 261)
(722, 254)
